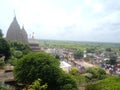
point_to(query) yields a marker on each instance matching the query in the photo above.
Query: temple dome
(15, 33)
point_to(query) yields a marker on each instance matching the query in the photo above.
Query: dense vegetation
(46, 67)
(78, 55)
(96, 73)
(3, 86)
(1, 34)
(18, 50)
(80, 79)
(77, 45)
(110, 83)
(5, 48)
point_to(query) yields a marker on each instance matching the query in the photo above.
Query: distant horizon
(81, 41)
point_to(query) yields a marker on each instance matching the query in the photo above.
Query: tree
(90, 50)
(1, 34)
(5, 48)
(34, 66)
(66, 82)
(12, 60)
(18, 54)
(78, 55)
(76, 74)
(43, 66)
(74, 71)
(57, 57)
(108, 49)
(97, 73)
(18, 50)
(113, 60)
(19, 46)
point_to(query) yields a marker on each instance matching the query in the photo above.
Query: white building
(65, 66)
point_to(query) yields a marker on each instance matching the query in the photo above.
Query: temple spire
(15, 32)
(33, 35)
(14, 14)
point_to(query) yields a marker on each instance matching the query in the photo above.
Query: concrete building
(65, 66)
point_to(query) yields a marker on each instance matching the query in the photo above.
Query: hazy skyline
(76, 20)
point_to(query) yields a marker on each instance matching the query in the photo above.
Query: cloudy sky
(77, 20)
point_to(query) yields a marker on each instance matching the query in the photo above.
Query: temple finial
(33, 35)
(14, 14)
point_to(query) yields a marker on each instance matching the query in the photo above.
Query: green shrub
(1, 62)
(18, 54)
(97, 73)
(110, 83)
(12, 60)
(3, 87)
(74, 71)
(36, 85)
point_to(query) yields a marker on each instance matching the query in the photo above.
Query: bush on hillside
(110, 83)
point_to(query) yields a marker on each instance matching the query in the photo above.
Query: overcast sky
(77, 20)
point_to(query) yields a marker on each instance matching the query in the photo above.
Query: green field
(77, 45)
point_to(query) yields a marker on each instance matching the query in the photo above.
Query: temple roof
(15, 33)
(34, 45)
(13, 30)
(25, 36)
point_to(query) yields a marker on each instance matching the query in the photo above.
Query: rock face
(16, 33)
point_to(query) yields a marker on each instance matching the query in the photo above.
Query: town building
(65, 66)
